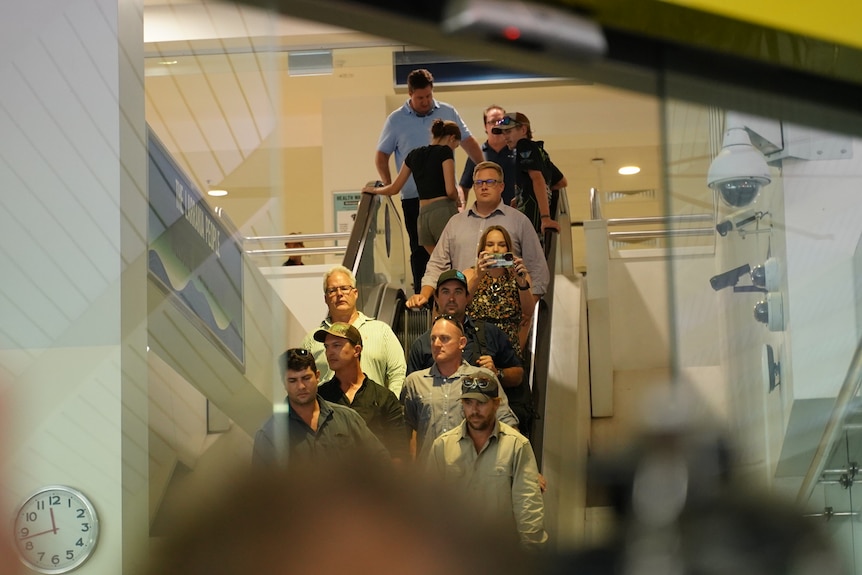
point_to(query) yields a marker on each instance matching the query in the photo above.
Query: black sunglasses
(298, 351)
(473, 383)
(449, 317)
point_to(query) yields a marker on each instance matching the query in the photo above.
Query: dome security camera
(739, 171)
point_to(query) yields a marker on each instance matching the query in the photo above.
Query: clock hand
(53, 523)
(54, 530)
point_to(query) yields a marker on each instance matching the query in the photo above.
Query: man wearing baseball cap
(486, 346)
(378, 406)
(473, 455)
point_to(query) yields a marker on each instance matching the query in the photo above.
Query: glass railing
(378, 256)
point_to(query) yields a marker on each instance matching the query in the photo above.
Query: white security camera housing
(739, 171)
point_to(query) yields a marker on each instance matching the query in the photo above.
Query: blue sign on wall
(194, 254)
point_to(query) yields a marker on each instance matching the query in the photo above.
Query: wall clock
(56, 529)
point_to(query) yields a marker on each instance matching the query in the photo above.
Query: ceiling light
(628, 170)
(215, 193)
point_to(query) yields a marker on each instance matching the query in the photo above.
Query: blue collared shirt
(405, 130)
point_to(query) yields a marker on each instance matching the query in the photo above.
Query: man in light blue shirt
(405, 129)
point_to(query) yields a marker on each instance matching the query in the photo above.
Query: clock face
(56, 529)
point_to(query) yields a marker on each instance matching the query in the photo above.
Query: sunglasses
(507, 121)
(449, 317)
(475, 383)
(298, 352)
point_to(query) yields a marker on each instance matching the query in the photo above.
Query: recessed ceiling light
(168, 62)
(217, 193)
(629, 170)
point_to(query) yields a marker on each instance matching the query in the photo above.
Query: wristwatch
(500, 376)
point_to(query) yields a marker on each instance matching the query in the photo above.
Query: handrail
(834, 427)
(298, 251)
(670, 219)
(304, 251)
(656, 234)
(300, 237)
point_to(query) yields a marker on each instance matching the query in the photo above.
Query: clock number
(85, 526)
(28, 546)
(53, 500)
(31, 516)
(80, 542)
(70, 554)
(55, 559)
(40, 505)
(41, 556)
(80, 514)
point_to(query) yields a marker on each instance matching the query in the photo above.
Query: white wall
(73, 231)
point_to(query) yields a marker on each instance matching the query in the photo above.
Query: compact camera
(505, 260)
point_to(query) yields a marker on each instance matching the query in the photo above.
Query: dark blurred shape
(679, 511)
(346, 518)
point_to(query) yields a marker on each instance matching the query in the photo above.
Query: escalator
(378, 256)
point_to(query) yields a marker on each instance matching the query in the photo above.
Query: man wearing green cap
(492, 464)
(378, 406)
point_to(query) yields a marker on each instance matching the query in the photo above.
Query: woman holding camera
(500, 284)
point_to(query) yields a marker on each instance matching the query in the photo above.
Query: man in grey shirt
(432, 397)
(458, 245)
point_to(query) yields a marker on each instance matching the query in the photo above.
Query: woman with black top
(433, 169)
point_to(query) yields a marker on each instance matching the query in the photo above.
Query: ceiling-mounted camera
(739, 171)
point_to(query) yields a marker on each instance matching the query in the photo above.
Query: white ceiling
(214, 107)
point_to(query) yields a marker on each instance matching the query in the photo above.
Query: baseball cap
(451, 275)
(339, 329)
(480, 386)
(509, 121)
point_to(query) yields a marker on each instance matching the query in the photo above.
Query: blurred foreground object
(679, 513)
(343, 518)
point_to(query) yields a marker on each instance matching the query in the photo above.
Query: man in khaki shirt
(492, 464)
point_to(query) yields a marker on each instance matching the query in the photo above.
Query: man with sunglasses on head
(349, 386)
(431, 396)
(492, 464)
(311, 429)
(456, 248)
(382, 355)
(486, 345)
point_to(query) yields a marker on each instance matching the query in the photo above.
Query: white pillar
(73, 221)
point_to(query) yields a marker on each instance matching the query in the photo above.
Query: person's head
(513, 126)
(299, 375)
(451, 293)
(342, 344)
(446, 133)
(292, 245)
(490, 117)
(488, 183)
(447, 340)
(339, 290)
(480, 400)
(420, 88)
(495, 240)
(273, 520)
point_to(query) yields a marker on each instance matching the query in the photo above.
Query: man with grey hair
(382, 355)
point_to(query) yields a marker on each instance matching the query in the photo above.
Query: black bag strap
(481, 337)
